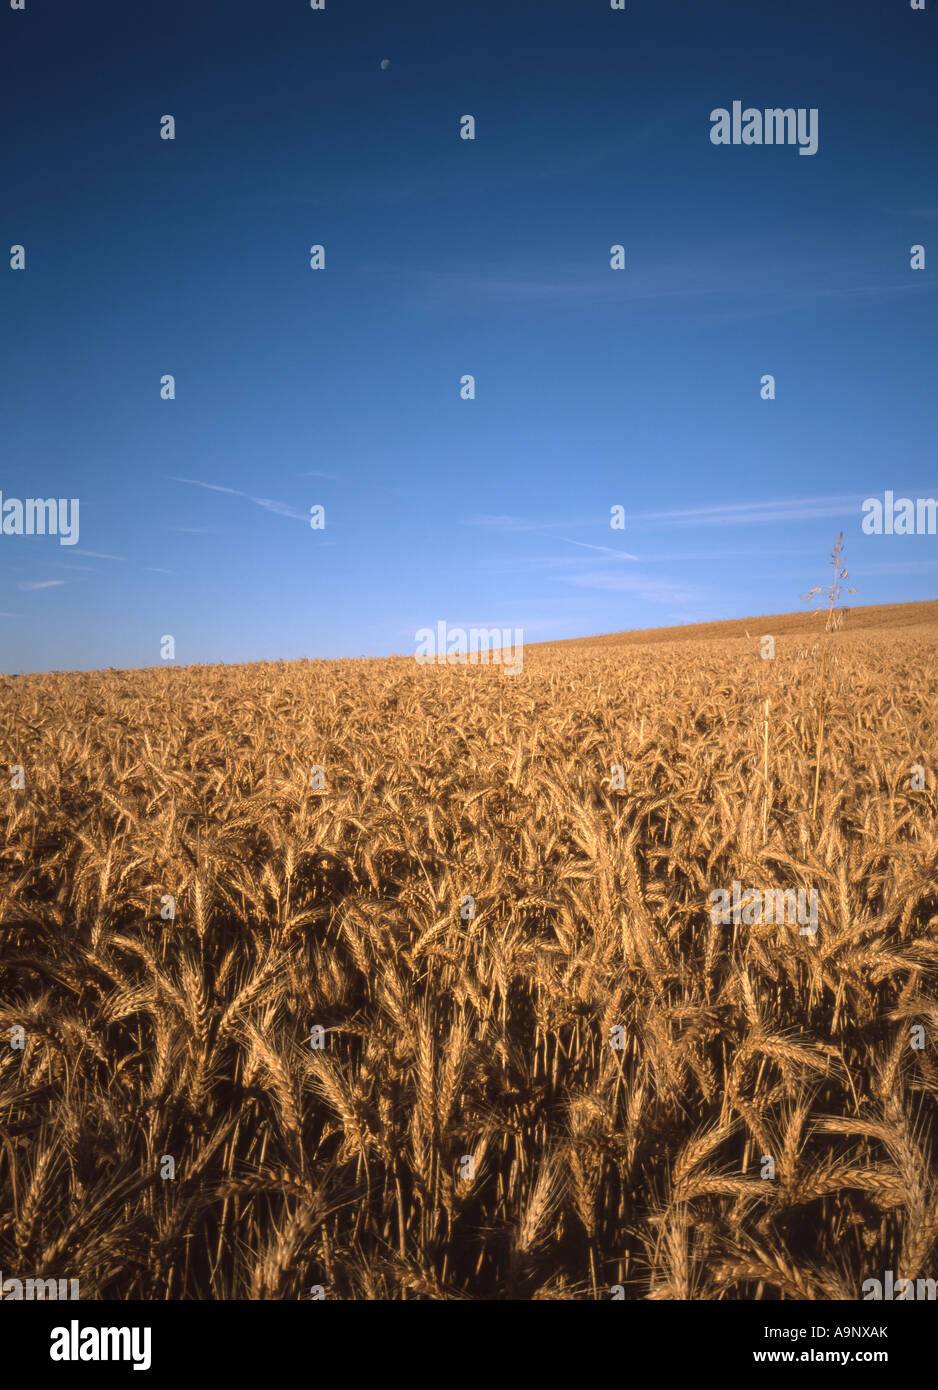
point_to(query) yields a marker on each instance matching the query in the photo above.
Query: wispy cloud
(384, 184)
(654, 590)
(606, 549)
(10, 615)
(481, 287)
(333, 477)
(40, 583)
(755, 513)
(150, 569)
(511, 564)
(269, 504)
(893, 567)
(97, 555)
(707, 283)
(715, 514)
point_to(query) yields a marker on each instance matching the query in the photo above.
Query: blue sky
(444, 256)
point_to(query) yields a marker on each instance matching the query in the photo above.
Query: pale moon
(385, 64)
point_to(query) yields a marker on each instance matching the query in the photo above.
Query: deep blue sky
(445, 257)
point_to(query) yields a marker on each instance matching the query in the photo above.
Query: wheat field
(545, 1072)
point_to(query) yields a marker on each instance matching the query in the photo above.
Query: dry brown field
(545, 1071)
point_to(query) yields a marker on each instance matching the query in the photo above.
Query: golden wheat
(468, 1129)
